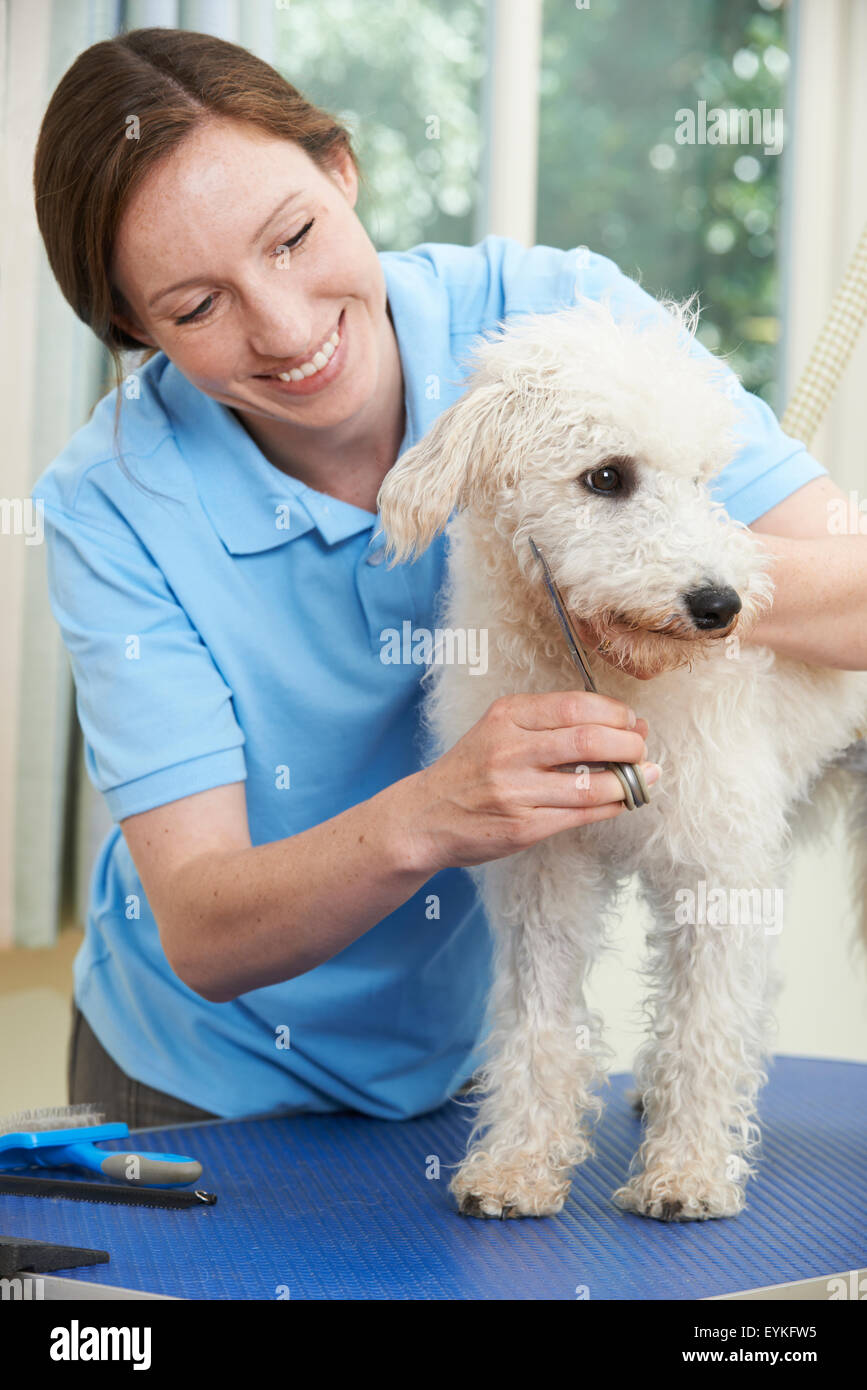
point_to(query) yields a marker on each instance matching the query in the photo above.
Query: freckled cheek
(209, 363)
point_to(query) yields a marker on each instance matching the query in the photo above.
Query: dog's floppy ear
(444, 470)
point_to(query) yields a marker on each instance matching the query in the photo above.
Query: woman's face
(241, 260)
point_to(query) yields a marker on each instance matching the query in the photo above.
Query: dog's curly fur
(751, 746)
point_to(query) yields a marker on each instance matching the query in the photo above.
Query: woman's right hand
(511, 780)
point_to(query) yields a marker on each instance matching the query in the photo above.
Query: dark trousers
(95, 1078)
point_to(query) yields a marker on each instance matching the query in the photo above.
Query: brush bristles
(52, 1117)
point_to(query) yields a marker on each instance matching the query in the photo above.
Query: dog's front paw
(522, 1185)
(665, 1196)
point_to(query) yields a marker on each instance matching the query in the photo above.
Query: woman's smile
(306, 378)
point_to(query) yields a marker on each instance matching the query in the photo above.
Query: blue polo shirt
(224, 623)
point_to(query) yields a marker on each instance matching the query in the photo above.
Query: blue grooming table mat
(340, 1207)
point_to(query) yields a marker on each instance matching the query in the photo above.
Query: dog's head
(596, 437)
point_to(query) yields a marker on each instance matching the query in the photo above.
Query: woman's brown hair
(124, 105)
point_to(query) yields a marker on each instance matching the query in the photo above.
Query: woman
(278, 918)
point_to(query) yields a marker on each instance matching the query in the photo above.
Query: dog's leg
(543, 1050)
(701, 1070)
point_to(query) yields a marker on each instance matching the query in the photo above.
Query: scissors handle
(630, 776)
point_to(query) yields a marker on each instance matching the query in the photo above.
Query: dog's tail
(856, 758)
(840, 796)
(847, 788)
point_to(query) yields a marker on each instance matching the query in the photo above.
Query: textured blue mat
(331, 1207)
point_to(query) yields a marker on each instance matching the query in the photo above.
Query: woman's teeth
(319, 360)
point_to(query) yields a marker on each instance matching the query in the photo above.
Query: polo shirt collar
(254, 506)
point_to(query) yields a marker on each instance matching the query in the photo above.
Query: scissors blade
(577, 651)
(631, 778)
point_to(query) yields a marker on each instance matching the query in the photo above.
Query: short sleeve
(769, 465)
(157, 716)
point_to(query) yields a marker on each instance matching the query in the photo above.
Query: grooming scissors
(630, 776)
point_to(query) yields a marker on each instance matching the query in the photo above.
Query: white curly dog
(597, 437)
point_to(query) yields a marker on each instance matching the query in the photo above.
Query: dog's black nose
(712, 608)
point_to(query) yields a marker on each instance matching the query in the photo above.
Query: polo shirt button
(375, 557)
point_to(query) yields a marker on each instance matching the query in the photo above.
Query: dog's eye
(604, 479)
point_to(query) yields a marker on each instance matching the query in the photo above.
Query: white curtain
(52, 376)
(54, 371)
(826, 211)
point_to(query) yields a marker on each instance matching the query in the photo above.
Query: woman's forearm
(819, 614)
(243, 919)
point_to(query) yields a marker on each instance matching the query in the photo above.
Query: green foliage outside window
(407, 80)
(613, 176)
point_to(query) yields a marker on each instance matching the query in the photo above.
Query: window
(406, 81)
(616, 175)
